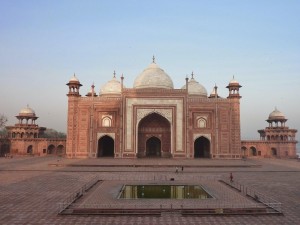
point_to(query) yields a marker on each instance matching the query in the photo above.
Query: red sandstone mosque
(154, 119)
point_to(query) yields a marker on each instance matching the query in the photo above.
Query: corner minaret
(234, 88)
(72, 132)
(235, 127)
(74, 86)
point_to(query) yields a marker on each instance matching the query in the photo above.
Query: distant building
(27, 138)
(153, 119)
(277, 140)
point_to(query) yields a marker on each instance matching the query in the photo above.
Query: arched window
(201, 123)
(106, 122)
(281, 137)
(253, 151)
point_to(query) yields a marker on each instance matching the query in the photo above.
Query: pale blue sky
(42, 43)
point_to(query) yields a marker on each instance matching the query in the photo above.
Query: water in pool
(163, 191)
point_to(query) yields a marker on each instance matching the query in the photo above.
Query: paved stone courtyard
(32, 187)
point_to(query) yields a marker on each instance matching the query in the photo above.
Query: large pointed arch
(244, 151)
(153, 147)
(30, 149)
(156, 126)
(202, 148)
(253, 151)
(60, 150)
(106, 146)
(273, 152)
(51, 149)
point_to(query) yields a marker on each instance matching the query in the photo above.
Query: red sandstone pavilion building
(154, 119)
(277, 140)
(27, 138)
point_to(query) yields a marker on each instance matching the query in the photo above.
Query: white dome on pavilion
(27, 112)
(276, 115)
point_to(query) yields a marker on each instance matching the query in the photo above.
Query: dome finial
(192, 75)
(153, 59)
(114, 74)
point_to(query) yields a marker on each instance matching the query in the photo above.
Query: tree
(3, 132)
(51, 133)
(3, 120)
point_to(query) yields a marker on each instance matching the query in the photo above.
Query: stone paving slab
(30, 191)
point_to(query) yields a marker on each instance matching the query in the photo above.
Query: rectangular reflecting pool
(163, 191)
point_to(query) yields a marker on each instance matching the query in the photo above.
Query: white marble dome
(276, 115)
(153, 77)
(194, 88)
(27, 112)
(112, 87)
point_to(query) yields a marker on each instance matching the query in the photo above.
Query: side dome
(153, 77)
(194, 88)
(112, 87)
(276, 115)
(27, 112)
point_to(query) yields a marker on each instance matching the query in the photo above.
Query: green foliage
(3, 120)
(51, 133)
(3, 132)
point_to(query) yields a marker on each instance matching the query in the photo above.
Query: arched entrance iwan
(106, 147)
(202, 148)
(154, 136)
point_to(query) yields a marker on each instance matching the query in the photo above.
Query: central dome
(153, 77)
